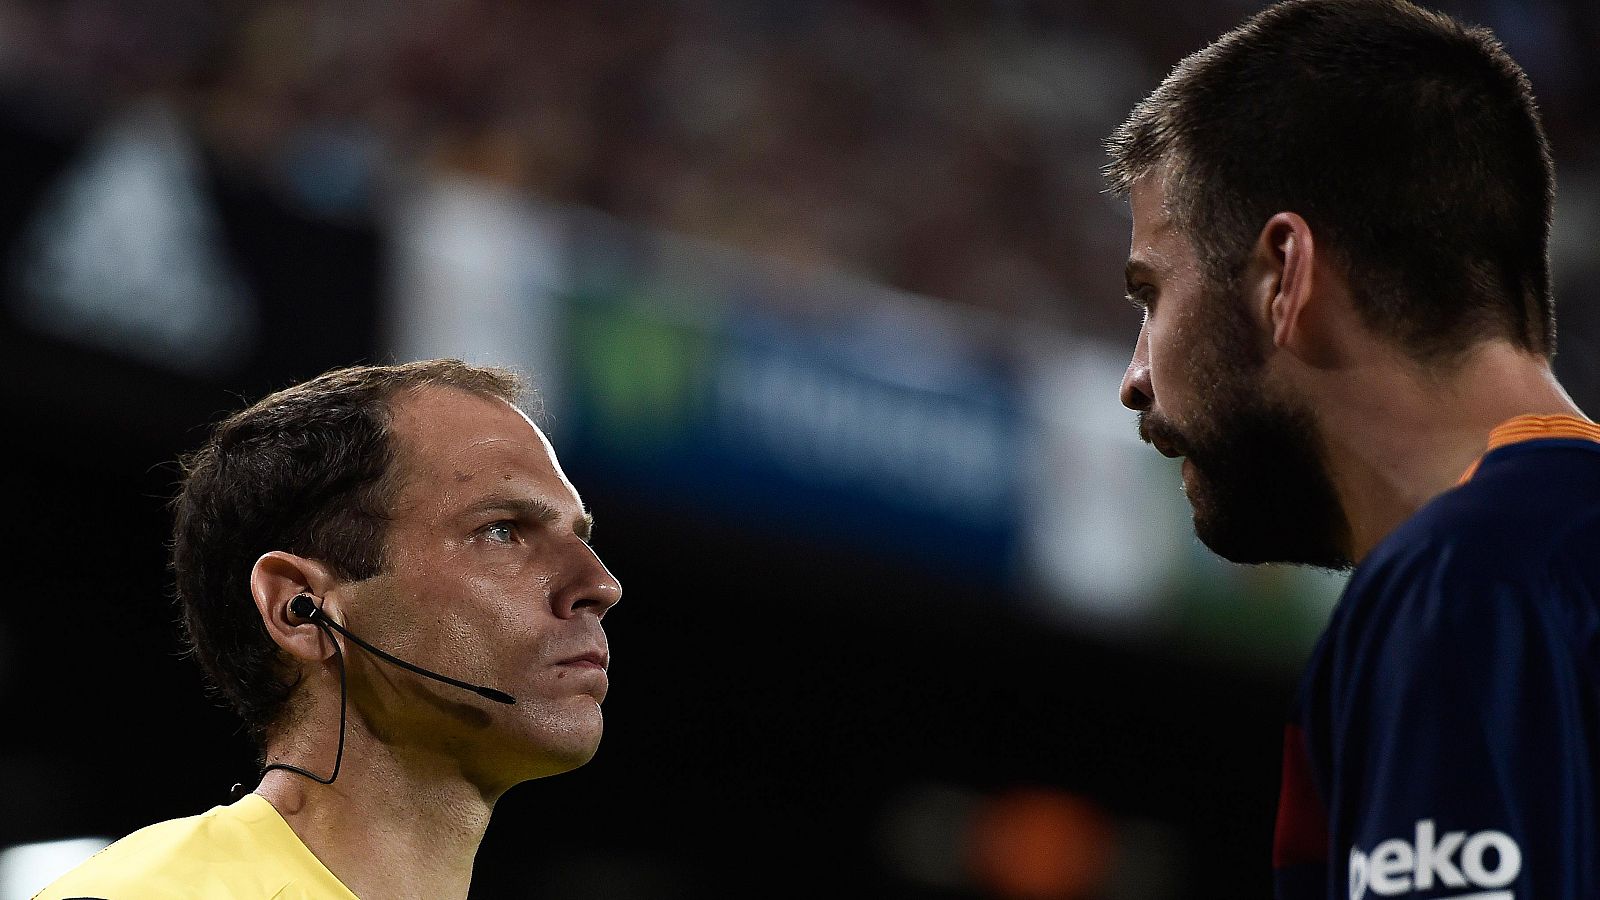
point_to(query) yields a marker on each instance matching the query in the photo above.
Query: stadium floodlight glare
(26, 868)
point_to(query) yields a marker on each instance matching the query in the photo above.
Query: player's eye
(1142, 297)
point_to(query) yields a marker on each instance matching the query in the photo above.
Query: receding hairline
(395, 384)
(403, 452)
(484, 381)
(400, 382)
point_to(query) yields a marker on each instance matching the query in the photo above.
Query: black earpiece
(304, 607)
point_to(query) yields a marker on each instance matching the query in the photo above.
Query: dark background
(786, 709)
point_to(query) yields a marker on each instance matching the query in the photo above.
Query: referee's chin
(551, 743)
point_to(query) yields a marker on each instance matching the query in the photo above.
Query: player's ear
(277, 578)
(1286, 284)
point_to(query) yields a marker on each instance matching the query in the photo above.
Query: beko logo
(1487, 859)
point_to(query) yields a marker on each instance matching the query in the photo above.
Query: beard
(1257, 482)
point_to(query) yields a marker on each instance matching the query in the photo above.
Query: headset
(304, 606)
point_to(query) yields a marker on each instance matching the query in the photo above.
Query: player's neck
(1397, 437)
(388, 826)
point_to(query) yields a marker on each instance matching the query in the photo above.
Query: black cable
(305, 607)
(485, 692)
(344, 694)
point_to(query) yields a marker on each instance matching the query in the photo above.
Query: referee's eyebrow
(536, 510)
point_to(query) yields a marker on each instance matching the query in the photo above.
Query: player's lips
(1165, 449)
(1155, 433)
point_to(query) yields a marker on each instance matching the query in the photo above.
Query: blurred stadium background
(822, 301)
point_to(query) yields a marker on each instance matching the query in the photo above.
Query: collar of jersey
(258, 813)
(1534, 428)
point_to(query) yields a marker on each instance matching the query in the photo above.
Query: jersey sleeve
(1461, 739)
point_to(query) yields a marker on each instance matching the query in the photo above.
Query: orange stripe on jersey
(1531, 428)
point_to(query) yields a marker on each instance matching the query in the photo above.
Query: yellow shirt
(245, 851)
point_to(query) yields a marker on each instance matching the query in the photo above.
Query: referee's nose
(592, 586)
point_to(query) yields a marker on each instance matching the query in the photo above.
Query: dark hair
(1409, 140)
(309, 470)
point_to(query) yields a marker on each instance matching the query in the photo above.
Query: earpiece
(303, 606)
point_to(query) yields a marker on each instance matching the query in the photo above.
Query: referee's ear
(277, 578)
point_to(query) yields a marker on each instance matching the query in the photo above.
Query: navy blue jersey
(1445, 740)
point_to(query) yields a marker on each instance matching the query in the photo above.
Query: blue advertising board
(797, 423)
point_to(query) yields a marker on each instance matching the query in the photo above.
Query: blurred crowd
(949, 149)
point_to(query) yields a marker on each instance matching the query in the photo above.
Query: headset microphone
(304, 607)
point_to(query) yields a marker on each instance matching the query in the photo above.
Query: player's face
(1252, 467)
(489, 578)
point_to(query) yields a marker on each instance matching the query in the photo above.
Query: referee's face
(488, 577)
(1252, 467)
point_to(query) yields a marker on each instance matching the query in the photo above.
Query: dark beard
(1259, 487)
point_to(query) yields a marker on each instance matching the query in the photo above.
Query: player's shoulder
(1527, 507)
(1507, 556)
(1516, 541)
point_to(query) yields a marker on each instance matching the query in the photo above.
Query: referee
(386, 572)
(1340, 220)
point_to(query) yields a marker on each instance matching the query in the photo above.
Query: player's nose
(1137, 393)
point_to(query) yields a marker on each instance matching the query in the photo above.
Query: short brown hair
(308, 470)
(1412, 141)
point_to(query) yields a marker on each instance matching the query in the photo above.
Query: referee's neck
(386, 829)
